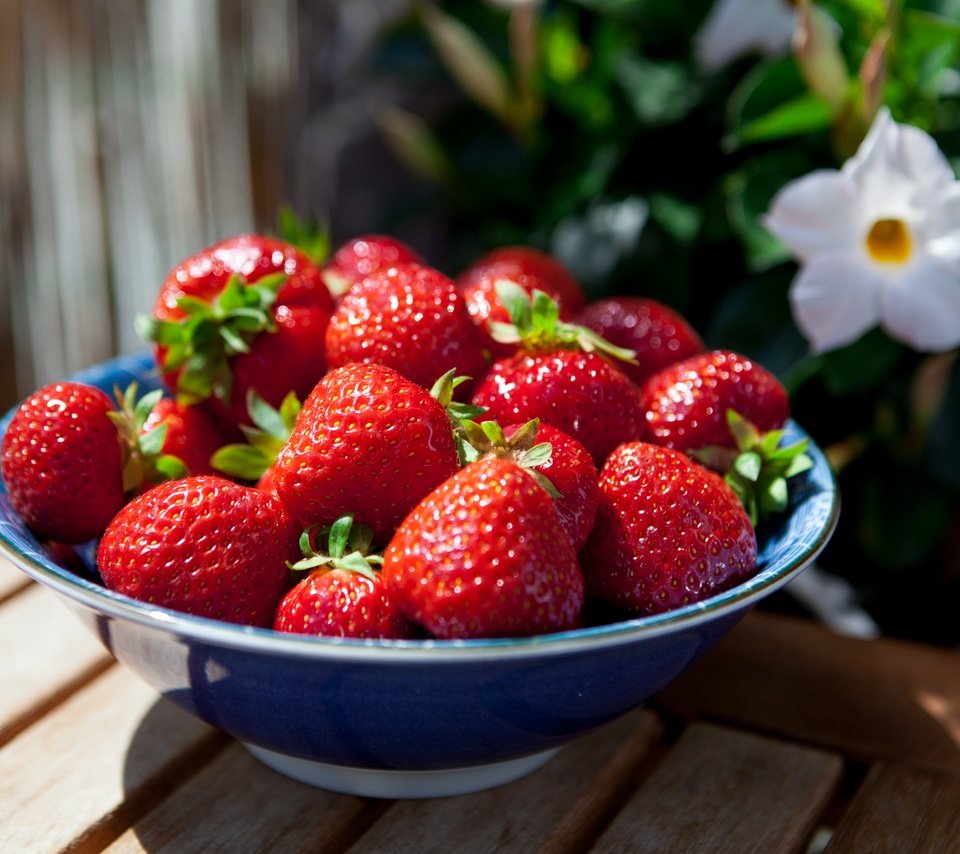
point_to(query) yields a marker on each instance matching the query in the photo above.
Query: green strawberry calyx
(270, 431)
(348, 547)
(457, 411)
(758, 469)
(201, 344)
(308, 235)
(144, 462)
(536, 326)
(487, 439)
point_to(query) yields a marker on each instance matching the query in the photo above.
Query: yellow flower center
(889, 242)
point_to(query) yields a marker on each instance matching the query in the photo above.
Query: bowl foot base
(376, 783)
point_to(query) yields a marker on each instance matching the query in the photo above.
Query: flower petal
(921, 306)
(735, 27)
(873, 143)
(896, 169)
(922, 159)
(815, 213)
(940, 232)
(835, 299)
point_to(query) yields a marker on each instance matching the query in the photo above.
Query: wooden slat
(870, 699)
(11, 579)
(238, 804)
(722, 790)
(901, 809)
(46, 654)
(89, 769)
(585, 781)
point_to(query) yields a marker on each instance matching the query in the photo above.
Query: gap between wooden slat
(256, 809)
(105, 754)
(589, 816)
(346, 836)
(14, 590)
(721, 789)
(12, 580)
(868, 700)
(901, 809)
(11, 730)
(585, 782)
(156, 790)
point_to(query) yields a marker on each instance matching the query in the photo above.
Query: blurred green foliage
(588, 128)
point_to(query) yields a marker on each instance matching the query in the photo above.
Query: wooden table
(785, 738)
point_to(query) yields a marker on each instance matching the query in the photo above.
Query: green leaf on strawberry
(536, 326)
(144, 462)
(201, 344)
(458, 412)
(348, 547)
(487, 439)
(271, 428)
(758, 469)
(306, 233)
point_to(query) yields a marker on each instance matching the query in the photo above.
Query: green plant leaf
(413, 142)
(470, 63)
(804, 114)
(658, 92)
(863, 365)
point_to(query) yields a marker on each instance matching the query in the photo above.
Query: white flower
(878, 242)
(737, 27)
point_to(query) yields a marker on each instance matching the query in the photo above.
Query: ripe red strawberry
(343, 595)
(485, 555)
(529, 268)
(559, 376)
(192, 435)
(363, 256)
(63, 463)
(203, 545)
(248, 312)
(409, 318)
(557, 461)
(581, 394)
(366, 440)
(685, 405)
(668, 532)
(571, 471)
(656, 334)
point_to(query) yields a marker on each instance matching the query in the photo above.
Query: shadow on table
(168, 747)
(190, 788)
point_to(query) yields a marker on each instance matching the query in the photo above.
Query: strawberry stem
(272, 427)
(144, 462)
(488, 440)
(348, 548)
(201, 344)
(758, 469)
(536, 326)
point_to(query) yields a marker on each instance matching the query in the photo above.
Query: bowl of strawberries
(404, 535)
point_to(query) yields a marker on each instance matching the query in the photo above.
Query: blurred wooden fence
(134, 132)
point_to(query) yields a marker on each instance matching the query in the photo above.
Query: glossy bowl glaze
(413, 718)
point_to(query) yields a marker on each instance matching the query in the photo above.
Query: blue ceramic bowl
(414, 718)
